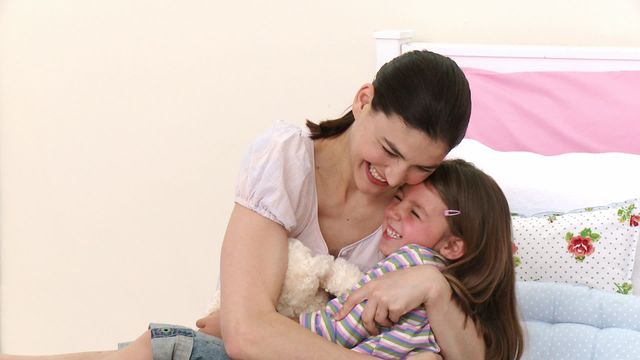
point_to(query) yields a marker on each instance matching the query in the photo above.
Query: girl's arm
(397, 293)
(253, 265)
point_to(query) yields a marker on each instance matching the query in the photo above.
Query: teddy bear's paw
(293, 308)
(342, 277)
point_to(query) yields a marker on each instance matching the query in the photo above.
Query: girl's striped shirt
(410, 334)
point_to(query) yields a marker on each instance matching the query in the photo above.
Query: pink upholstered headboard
(547, 100)
(552, 113)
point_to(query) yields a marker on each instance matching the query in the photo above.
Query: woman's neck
(335, 172)
(345, 214)
(333, 165)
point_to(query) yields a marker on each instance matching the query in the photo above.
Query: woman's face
(386, 153)
(414, 216)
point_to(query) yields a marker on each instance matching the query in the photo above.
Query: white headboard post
(389, 44)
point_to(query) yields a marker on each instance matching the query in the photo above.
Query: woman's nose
(396, 176)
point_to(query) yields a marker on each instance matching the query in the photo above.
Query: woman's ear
(452, 248)
(364, 96)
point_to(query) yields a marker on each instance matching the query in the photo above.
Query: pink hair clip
(452, 212)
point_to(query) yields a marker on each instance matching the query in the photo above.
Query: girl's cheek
(408, 223)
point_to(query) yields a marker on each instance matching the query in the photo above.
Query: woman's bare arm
(253, 265)
(425, 356)
(396, 293)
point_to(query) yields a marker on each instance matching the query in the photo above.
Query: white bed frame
(511, 58)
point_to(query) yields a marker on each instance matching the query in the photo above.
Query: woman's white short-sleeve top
(277, 180)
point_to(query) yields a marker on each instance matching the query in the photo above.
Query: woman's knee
(140, 349)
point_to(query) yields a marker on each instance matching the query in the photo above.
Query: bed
(559, 130)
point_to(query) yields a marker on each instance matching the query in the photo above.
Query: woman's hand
(395, 294)
(210, 324)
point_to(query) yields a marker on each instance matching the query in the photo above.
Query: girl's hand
(210, 324)
(395, 294)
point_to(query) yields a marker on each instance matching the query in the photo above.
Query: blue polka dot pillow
(593, 246)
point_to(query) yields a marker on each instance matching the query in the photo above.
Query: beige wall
(122, 123)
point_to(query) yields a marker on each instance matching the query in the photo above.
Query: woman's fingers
(382, 316)
(200, 323)
(375, 309)
(210, 324)
(395, 314)
(368, 317)
(355, 298)
(391, 296)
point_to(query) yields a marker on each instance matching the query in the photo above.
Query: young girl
(459, 221)
(459, 214)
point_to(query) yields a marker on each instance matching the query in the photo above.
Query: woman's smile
(375, 177)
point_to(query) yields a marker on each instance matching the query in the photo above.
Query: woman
(328, 187)
(399, 130)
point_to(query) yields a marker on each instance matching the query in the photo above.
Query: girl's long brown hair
(483, 280)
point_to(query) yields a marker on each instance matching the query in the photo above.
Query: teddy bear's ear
(452, 248)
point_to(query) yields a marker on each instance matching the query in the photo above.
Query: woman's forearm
(253, 265)
(458, 339)
(285, 340)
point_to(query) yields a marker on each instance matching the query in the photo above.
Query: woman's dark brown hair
(427, 90)
(483, 280)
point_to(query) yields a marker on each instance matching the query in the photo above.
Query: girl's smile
(415, 216)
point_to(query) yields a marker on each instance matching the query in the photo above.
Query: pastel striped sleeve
(350, 331)
(412, 334)
(347, 332)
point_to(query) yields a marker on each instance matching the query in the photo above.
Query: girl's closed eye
(416, 215)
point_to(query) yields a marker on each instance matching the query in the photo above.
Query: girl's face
(386, 153)
(415, 216)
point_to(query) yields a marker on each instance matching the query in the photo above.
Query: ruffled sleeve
(276, 177)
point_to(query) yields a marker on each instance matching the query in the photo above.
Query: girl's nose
(395, 212)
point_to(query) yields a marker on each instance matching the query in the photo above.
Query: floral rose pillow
(593, 246)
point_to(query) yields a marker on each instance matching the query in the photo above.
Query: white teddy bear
(309, 280)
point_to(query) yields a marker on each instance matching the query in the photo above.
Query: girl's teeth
(392, 233)
(375, 174)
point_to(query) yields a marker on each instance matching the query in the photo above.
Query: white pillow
(594, 247)
(536, 183)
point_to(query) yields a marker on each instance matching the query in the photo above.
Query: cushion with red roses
(592, 246)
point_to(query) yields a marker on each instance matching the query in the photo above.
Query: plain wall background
(122, 124)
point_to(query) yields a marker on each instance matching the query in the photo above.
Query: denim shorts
(171, 342)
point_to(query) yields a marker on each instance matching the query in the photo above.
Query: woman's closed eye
(425, 169)
(389, 152)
